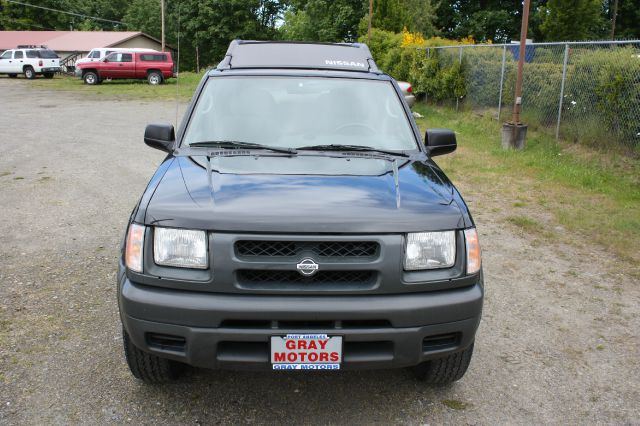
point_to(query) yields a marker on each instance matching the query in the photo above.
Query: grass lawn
(547, 190)
(125, 89)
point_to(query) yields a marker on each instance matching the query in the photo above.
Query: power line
(95, 18)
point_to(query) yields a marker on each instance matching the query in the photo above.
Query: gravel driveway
(559, 341)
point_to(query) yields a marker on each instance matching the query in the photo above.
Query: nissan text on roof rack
(299, 222)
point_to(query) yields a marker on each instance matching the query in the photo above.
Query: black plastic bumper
(233, 331)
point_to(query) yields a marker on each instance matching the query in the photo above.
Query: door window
(119, 57)
(18, 54)
(6, 55)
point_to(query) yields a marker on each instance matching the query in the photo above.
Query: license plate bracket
(306, 352)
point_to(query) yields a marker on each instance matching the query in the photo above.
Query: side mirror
(160, 136)
(440, 141)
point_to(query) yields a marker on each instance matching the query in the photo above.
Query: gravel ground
(559, 341)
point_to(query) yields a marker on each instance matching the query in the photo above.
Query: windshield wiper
(238, 144)
(335, 147)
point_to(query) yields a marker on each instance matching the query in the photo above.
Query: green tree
(206, 27)
(323, 20)
(573, 20)
(395, 15)
(496, 20)
(627, 18)
(144, 15)
(23, 17)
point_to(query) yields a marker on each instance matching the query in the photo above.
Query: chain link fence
(587, 92)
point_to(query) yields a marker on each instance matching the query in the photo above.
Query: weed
(526, 223)
(454, 404)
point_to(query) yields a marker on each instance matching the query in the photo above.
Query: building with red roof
(67, 43)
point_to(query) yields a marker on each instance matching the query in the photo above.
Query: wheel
(48, 75)
(13, 75)
(445, 370)
(154, 78)
(29, 73)
(90, 78)
(149, 368)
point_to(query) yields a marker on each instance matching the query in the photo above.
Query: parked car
(407, 91)
(299, 222)
(30, 61)
(155, 67)
(100, 52)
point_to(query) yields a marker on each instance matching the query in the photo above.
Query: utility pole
(613, 19)
(370, 13)
(514, 133)
(162, 21)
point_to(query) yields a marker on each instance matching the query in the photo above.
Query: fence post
(564, 76)
(460, 62)
(504, 57)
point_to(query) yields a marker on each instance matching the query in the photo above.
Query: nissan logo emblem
(307, 267)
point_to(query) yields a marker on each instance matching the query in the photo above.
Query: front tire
(29, 73)
(90, 78)
(154, 78)
(147, 367)
(445, 370)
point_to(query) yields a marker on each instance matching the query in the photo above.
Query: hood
(304, 194)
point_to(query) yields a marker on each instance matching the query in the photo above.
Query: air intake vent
(440, 341)
(166, 342)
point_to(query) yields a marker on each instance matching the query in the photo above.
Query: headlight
(430, 250)
(181, 248)
(474, 260)
(133, 248)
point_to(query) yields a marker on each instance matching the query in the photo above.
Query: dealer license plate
(306, 352)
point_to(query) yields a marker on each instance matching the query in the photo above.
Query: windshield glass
(301, 111)
(48, 54)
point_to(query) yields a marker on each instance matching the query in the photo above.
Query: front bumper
(233, 331)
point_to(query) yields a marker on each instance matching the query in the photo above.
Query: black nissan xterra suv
(299, 222)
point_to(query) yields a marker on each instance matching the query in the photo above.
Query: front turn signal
(474, 258)
(133, 250)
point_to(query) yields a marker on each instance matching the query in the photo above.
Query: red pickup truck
(155, 67)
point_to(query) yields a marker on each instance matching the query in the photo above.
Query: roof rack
(248, 54)
(31, 46)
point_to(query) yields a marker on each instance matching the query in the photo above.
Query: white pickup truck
(30, 62)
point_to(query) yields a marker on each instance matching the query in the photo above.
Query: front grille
(253, 276)
(248, 248)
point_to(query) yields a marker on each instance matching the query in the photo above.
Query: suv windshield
(300, 112)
